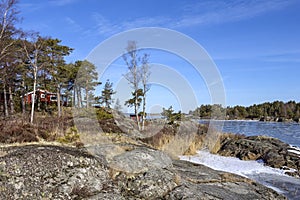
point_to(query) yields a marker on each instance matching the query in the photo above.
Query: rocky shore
(120, 162)
(271, 151)
(279, 119)
(127, 172)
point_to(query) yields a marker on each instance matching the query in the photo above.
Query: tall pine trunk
(58, 100)
(38, 101)
(78, 97)
(144, 109)
(87, 96)
(5, 100)
(11, 102)
(74, 96)
(136, 110)
(23, 98)
(33, 94)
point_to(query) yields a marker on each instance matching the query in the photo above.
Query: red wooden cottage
(41, 95)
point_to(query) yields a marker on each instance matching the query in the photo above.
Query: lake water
(286, 132)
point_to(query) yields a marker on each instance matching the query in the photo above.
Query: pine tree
(136, 100)
(107, 92)
(86, 80)
(57, 67)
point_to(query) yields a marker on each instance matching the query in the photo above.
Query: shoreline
(116, 171)
(273, 178)
(246, 120)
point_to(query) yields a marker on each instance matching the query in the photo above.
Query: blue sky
(254, 44)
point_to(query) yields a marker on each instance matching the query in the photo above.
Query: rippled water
(286, 132)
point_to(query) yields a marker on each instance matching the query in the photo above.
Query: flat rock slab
(51, 172)
(56, 172)
(140, 160)
(201, 182)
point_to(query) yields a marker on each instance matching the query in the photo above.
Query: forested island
(278, 111)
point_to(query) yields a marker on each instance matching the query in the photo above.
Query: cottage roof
(40, 90)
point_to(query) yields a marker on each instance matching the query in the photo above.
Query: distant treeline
(275, 111)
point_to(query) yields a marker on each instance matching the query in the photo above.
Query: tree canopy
(276, 110)
(30, 62)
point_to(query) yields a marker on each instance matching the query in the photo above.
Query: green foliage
(215, 111)
(70, 136)
(106, 96)
(277, 109)
(86, 80)
(131, 102)
(103, 114)
(171, 116)
(98, 113)
(168, 112)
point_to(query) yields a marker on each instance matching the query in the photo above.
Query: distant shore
(262, 119)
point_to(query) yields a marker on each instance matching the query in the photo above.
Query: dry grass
(19, 130)
(184, 139)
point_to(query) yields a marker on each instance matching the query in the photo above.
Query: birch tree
(8, 18)
(134, 74)
(137, 77)
(34, 51)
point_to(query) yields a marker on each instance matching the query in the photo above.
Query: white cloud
(73, 24)
(196, 14)
(105, 26)
(292, 56)
(212, 12)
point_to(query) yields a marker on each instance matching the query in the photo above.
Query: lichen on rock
(139, 172)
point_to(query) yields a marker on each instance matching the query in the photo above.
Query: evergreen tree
(171, 115)
(107, 92)
(86, 80)
(57, 67)
(136, 100)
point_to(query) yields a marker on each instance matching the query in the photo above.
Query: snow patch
(255, 170)
(230, 164)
